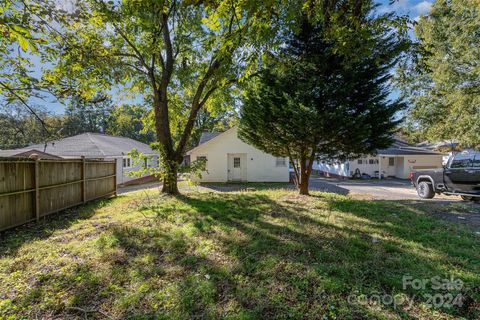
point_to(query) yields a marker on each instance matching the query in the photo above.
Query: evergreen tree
(317, 99)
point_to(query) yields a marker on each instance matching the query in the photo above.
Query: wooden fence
(31, 189)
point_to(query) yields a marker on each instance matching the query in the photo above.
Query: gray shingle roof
(400, 147)
(91, 145)
(207, 136)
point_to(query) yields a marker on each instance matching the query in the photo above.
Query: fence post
(37, 186)
(84, 180)
(115, 178)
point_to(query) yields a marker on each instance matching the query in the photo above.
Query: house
(396, 161)
(92, 146)
(229, 159)
(19, 153)
(448, 146)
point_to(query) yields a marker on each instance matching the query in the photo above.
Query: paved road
(386, 189)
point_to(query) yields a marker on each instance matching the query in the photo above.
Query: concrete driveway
(385, 189)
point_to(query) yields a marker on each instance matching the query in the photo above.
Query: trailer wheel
(425, 190)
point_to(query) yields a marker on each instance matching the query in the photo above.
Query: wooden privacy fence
(31, 189)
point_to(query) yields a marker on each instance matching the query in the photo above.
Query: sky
(412, 8)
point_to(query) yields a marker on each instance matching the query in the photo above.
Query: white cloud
(423, 7)
(397, 6)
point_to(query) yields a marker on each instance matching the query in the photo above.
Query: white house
(93, 146)
(396, 161)
(229, 159)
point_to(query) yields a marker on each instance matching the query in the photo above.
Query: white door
(237, 167)
(391, 166)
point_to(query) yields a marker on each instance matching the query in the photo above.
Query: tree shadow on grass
(253, 256)
(12, 239)
(289, 252)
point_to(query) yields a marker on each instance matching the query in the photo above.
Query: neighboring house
(19, 153)
(396, 161)
(92, 146)
(445, 145)
(229, 159)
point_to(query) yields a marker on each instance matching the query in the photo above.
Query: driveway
(385, 189)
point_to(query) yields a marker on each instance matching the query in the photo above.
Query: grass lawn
(264, 254)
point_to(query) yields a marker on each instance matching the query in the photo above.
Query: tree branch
(30, 109)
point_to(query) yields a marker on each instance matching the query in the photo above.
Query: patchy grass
(240, 255)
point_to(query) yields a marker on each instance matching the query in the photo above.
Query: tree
(320, 99)
(21, 128)
(129, 121)
(83, 115)
(441, 81)
(23, 25)
(179, 55)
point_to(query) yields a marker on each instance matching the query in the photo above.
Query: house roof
(401, 147)
(207, 136)
(26, 154)
(90, 145)
(444, 144)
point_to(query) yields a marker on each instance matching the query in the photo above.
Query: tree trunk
(168, 156)
(304, 177)
(170, 185)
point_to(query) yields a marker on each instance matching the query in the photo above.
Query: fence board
(60, 186)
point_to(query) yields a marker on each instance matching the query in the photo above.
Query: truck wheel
(425, 190)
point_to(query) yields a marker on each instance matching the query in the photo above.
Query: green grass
(260, 254)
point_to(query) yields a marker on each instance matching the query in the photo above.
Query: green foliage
(442, 79)
(162, 169)
(317, 98)
(180, 56)
(21, 128)
(129, 120)
(83, 115)
(22, 33)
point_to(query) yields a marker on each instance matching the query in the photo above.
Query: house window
(236, 162)
(391, 161)
(127, 162)
(280, 162)
(147, 162)
(359, 161)
(371, 161)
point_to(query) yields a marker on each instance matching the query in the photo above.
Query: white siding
(260, 166)
(122, 173)
(401, 168)
(333, 167)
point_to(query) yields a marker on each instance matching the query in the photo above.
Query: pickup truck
(460, 176)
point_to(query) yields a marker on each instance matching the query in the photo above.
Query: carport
(401, 158)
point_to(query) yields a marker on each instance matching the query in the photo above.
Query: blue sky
(411, 8)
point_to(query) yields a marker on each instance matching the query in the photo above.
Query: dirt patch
(470, 218)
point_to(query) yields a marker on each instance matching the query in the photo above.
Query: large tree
(82, 115)
(442, 79)
(178, 55)
(23, 28)
(318, 98)
(129, 121)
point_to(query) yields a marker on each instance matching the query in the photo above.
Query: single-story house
(19, 153)
(229, 159)
(92, 146)
(396, 161)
